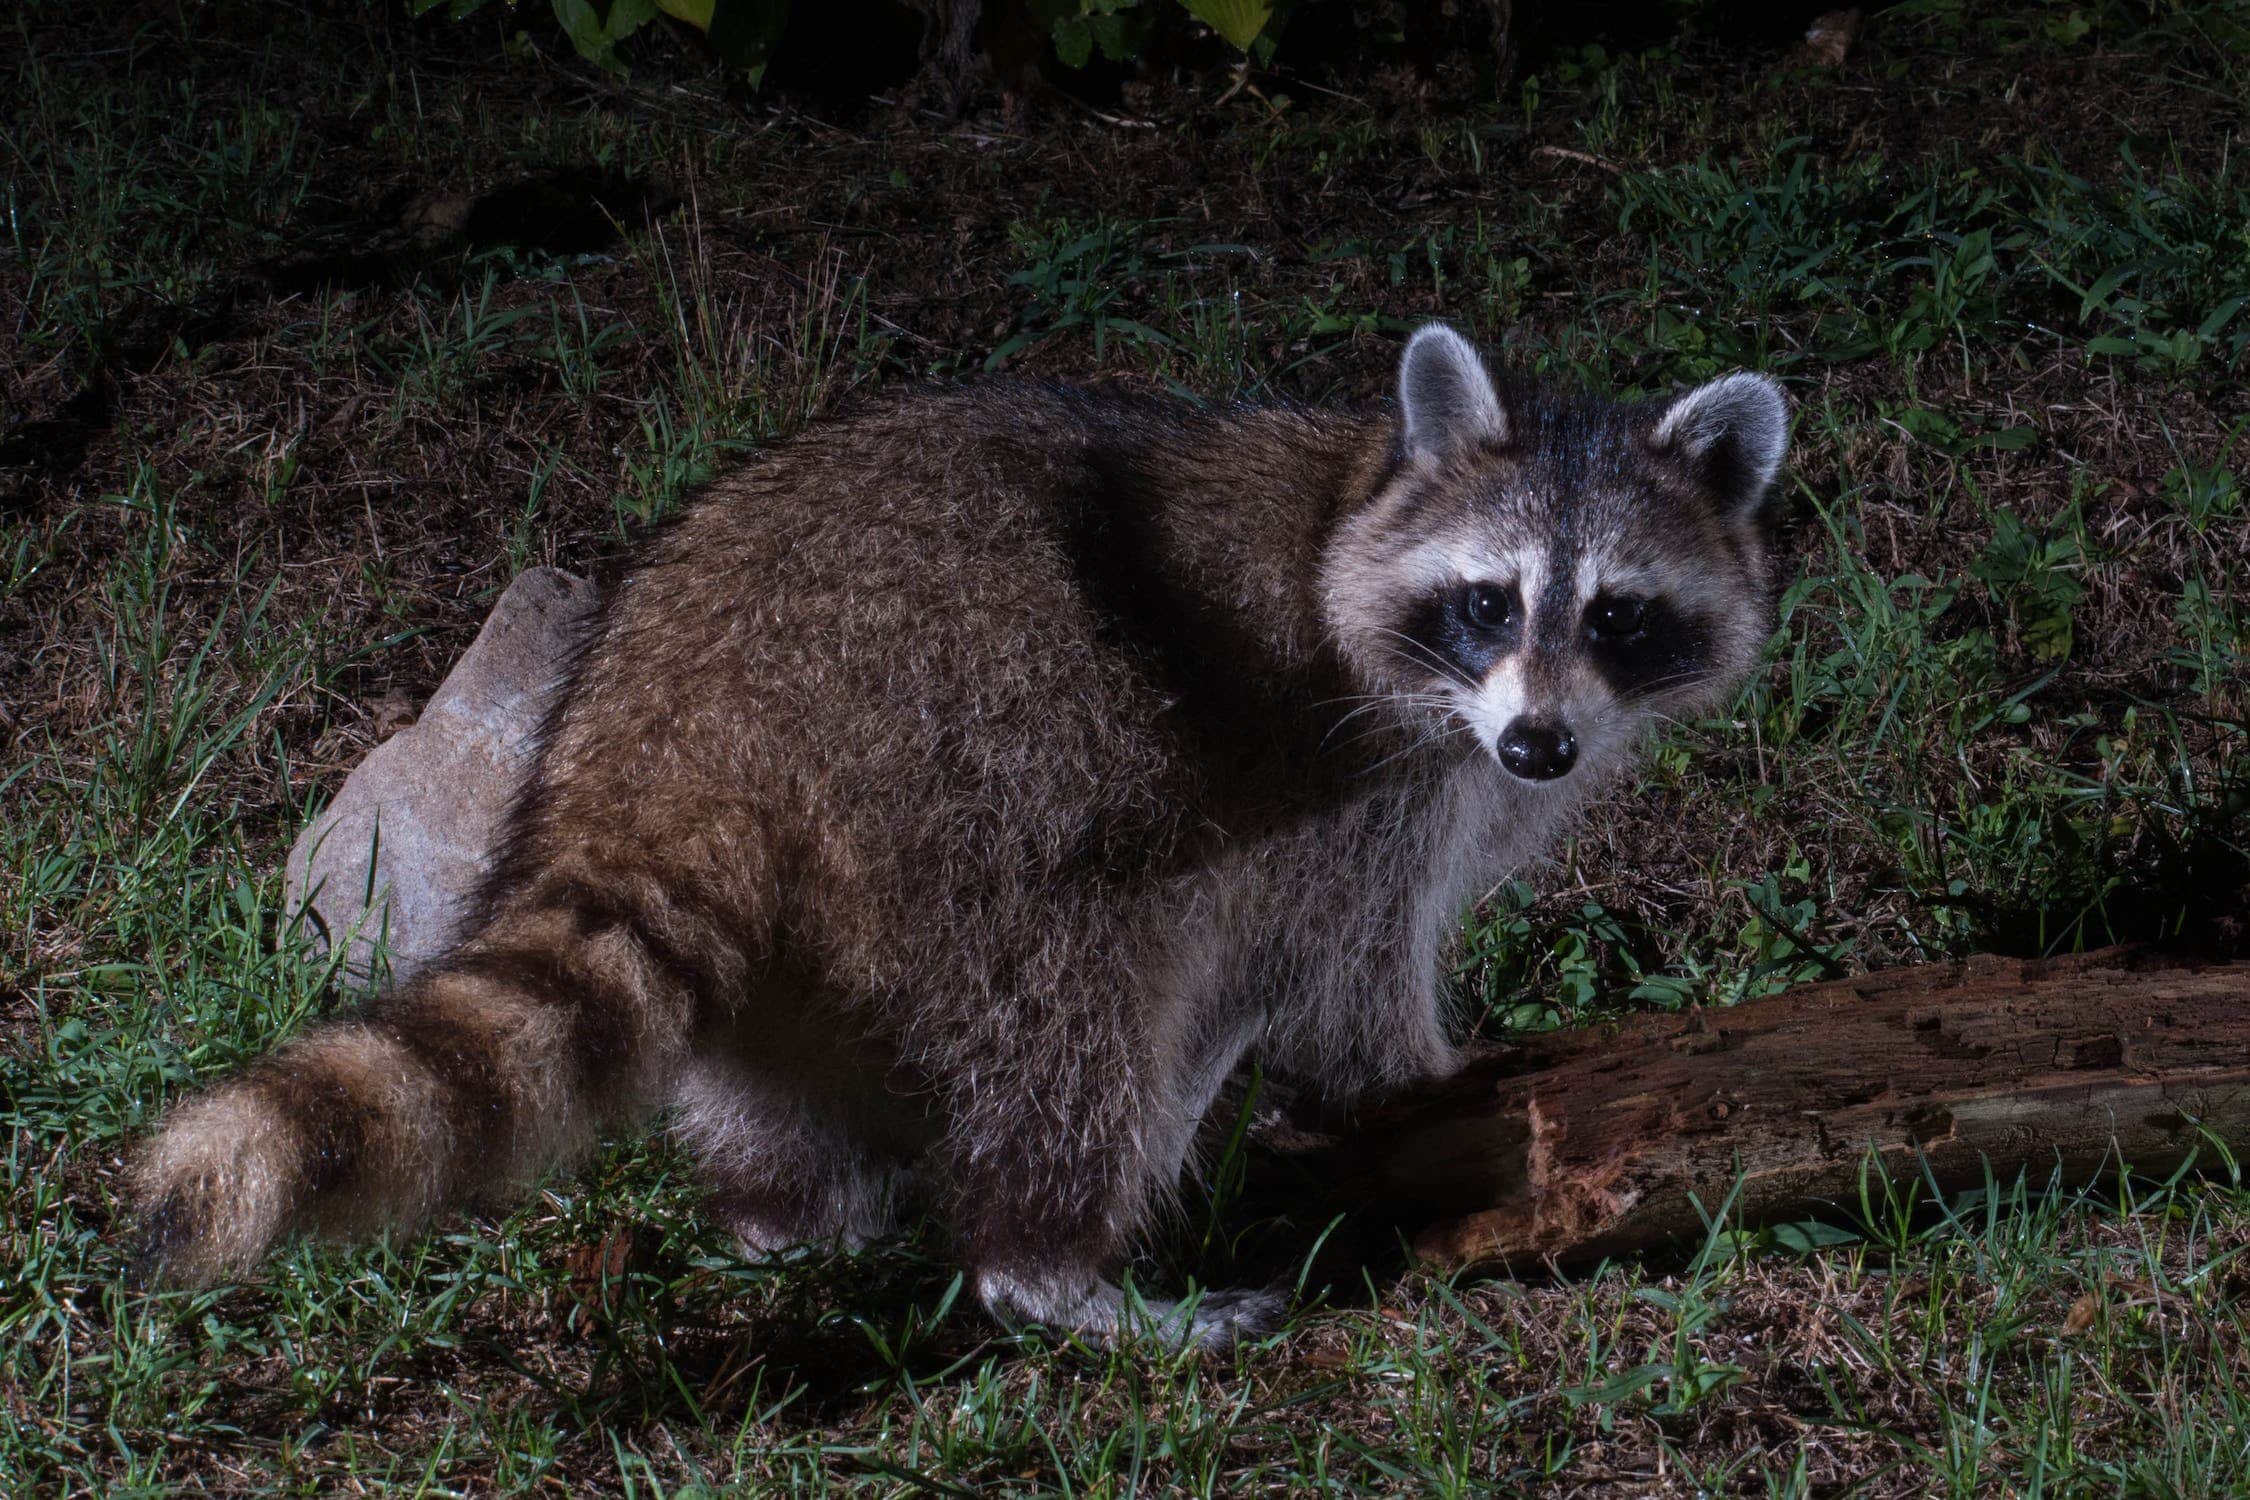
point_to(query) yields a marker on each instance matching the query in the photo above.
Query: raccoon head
(1548, 575)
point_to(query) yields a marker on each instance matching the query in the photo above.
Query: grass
(277, 420)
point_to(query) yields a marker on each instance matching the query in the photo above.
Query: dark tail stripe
(600, 1039)
(459, 1057)
(595, 911)
(328, 1117)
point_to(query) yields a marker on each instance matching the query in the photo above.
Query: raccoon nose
(1537, 752)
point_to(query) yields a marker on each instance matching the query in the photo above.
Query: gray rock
(394, 856)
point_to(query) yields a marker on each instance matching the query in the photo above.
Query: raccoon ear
(1733, 432)
(1446, 397)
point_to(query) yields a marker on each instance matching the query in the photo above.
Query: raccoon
(955, 796)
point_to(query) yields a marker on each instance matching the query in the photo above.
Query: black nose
(1537, 752)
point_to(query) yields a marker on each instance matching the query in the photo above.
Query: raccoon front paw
(1106, 1315)
(1220, 1319)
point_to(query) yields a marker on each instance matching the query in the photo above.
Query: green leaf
(2220, 316)
(597, 26)
(743, 32)
(1933, 428)
(1119, 41)
(2010, 439)
(696, 13)
(1239, 21)
(629, 16)
(1074, 41)
(2048, 636)
(584, 26)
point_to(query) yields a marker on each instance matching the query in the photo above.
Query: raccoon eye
(1489, 606)
(1613, 618)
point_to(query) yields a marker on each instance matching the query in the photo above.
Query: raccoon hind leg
(1069, 1114)
(800, 1140)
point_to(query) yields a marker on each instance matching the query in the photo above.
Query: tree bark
(951, 63)
(1579, 1144)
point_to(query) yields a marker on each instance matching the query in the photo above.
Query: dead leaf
(437, 217)
(1829, 39)
(392, 712)
(591, 1268)
(605, 1260)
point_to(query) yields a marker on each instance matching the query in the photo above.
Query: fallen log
(1572, 1145)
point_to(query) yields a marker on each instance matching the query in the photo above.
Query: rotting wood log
(1573, 1145)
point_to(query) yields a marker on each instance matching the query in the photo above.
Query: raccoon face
(1549, 575)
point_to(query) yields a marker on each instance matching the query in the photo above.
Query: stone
(388, 866)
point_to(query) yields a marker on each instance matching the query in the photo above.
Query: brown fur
(969, 783)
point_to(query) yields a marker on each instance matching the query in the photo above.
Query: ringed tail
(475, 1077)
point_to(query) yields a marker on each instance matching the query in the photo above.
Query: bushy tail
(472, 1078)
